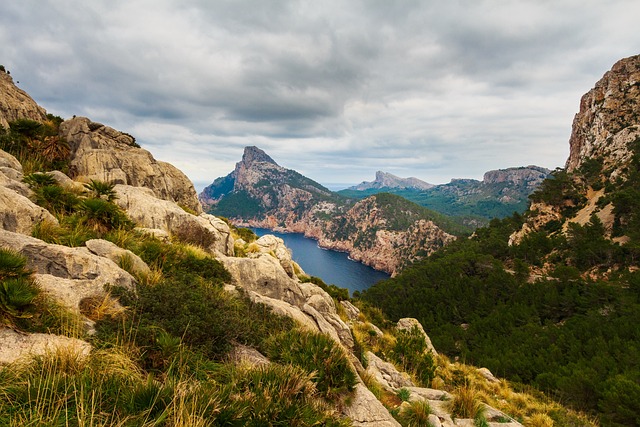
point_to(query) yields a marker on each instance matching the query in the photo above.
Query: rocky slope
(386, 180)
(383, 231)
(17, 104)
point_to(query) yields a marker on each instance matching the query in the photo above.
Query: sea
(333, 267)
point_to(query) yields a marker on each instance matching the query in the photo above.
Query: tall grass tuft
(416, 414)
(466, 403)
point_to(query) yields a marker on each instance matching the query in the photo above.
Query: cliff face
(17, 104)
(609, 118)
(260, 193)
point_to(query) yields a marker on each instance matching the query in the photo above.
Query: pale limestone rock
(351, 310)
(10, 162)
(486, 374)
(66, 182)
(161, 235)
(19, 214)
(150, 212)
(386, 374)
(323, 325)
(115, 253)
(422, 393)
(17, 104)
(275, 245)
(102, 153)
(285, 309)
(434, 421)
(408, 323)
(367, 411)
(265, 276)
(15, 347)
(68, 274)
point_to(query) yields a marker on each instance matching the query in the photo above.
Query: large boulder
(69, 274)
(116, 254)
(15, 346)
(148, 211)
(386, 374)
(367, 411)
(103, 153)
(265, 276)
(408, 323)
(275, 245)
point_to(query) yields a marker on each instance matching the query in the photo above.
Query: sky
(333, 89)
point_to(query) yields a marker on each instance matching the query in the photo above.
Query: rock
(15, 346)
(421, 393)
(352, 311)
(285, 309)
(102, 153)
(19, 214)
(608, 119)
(486, 374)
(275, 245)
(161, 235)
(70, 274)
(387, 180)
(150, 212)
(386, 374)
(264, 276)
(115, 253)
(66, 182)
(318, 298)
(17, 104)
(409, 323)
(434, 421)
(242, 354)
(367, 411)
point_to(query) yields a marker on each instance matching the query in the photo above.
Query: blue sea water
(331, 266)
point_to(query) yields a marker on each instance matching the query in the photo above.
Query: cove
(334, 268)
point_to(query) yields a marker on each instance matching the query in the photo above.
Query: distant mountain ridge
(387, 180)
(499, 194)
(386, 232)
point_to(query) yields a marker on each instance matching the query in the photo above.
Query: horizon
(335, 91)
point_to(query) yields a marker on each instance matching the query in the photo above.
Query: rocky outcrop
(17, 104)
(387, 181)
(408, 324)
(17, 212)
(148, 211)
(68, 274)
(386, 373)
(103, 153)
(118, 255)
(17, 346)
(269, 244)
(367, 411)
(530, 176)
(608, 120)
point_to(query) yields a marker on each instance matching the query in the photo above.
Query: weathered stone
(150, 212)
(265, 276)
(17, 104)
(422, 393)
(66, 182)
(409, 323)
(275, 245)
(102, 153)
(351, 310)
(386, 374)
(19, 214)
(16, 347)
(434, 421)
(285, 309)
(486, 374)
(116, 254)
(367, 411)
(242, 354)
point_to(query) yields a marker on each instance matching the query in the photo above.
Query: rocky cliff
(383, 231)
(386, 180)
(17, 104)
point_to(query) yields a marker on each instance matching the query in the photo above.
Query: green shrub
(17, 288)
(101, 190)
(315, 352)
(410, 351)
(102, 216)
(416, 414)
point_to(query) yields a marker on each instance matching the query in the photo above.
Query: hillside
(383, 231)
(122, 305)
(551, 298)
(501, 193)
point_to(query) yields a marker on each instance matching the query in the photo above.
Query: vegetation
(556, 311)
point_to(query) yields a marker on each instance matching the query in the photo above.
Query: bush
(410, 351)
(102, 216)
(317, 353)
(17, 288)
(416, 414)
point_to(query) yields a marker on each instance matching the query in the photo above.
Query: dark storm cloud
(334, 89)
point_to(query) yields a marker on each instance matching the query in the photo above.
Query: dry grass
(100, 307)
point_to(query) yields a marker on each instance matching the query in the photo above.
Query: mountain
(388, 181)
(123, 304)
(499, 194)
(384, 231)
(548, 298)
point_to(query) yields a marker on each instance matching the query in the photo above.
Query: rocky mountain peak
(387, 180)
(608, 118)
(253, 154)
(17, 104)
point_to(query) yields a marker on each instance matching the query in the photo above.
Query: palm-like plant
(17, 288)
(101, 190)
(38, 180)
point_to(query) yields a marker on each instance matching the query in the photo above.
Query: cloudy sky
(334, 89)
